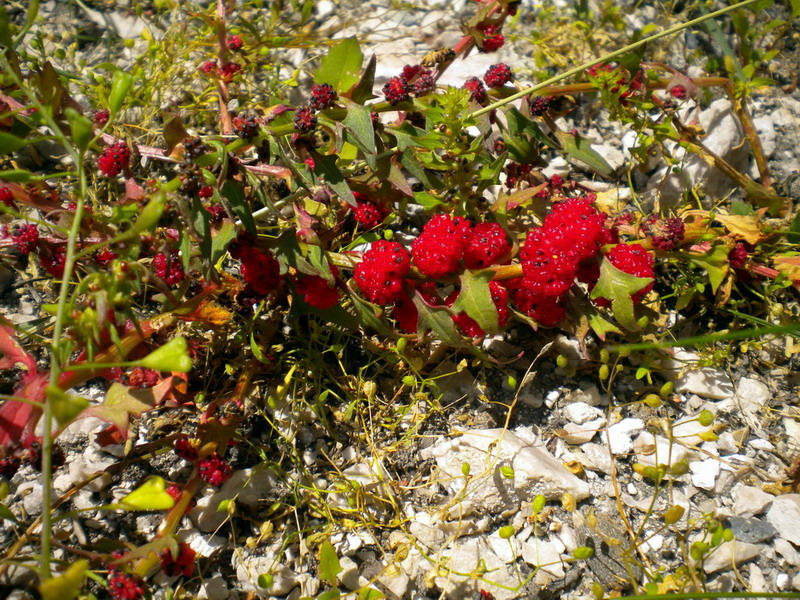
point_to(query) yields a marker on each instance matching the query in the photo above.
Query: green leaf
(329, 566)
(148, 218)
(795, 8)
(201, 226)
(151, 495)
(744, 209)
(601, 326)
(579, 148)
(361, 132)
(507, 472)
(11, 143)
(439, 321)
(793, 237)
(341, 66)
(325, 167)
(67, 585)
(82, 128)
(5, 513)
(17, 176)
(363, 90)
(583, 552)
(365, 312)
(233, 192)
(333, 594)
(219, 243)
(522, 136)
(715, 263)
(122, 402)
(475, 298)
(369, 593)
(172, 356)
(5, 28)
(65, 406)
(618, 287)
(120, 85)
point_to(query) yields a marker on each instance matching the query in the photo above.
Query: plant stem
(579, 69)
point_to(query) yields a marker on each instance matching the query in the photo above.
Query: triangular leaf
(360, 131)
(579, 148)
(67, 585)
(122, 402)
(325, 167)
(715, 263)
(439, 321)
(151, 495)
(172, 356)
(363, 90)
(475, 298)
(65, 407)
(341, 66)
(618, 287)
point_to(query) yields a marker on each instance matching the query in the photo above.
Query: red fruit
(184, 448)
(488, 244)
(24, 237)
(396, 91)
(54, 261)
(440, 246)
(228, 70)
(667, 234)
(317, 292)
(100, 118)
(246, 127)
(476, 89)
(214, 470)
(183, 564)
(368, 214)
(105, 256)
(206, 191)
(738, 256)
(123, 586)
(114, 159)
(260, 270)
(235, 43)
(6, 195)
(576, 224)
(143, 378)
(409, 72)
(538, 105)
(304, 119)
(169, 268)
(209, 67)
(322, 96)
(406, 314)
(498, 75)
(425, 84)
(380, 273)
(545, 310)
(679, 92)
(217, 212)
(492, 39)
(516, 172)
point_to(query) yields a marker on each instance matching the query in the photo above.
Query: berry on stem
(476, 89)
(114, 159)
(322, 96)
(380, 273)
(396, 91)
(304, 119)
(214, 470)
(498, 75)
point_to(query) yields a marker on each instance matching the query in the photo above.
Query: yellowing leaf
(151, 495)
(788, 265)
(745, 227)
(121, 403)
(67, 585)
(172, 356)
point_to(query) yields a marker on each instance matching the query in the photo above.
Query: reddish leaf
(123, 402)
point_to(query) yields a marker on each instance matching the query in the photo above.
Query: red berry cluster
(441, 245)
(380, 273)
(563, 248)
(666, 234)
(114, 159)
(100, 118)
(184, 448)
(424, 84)
(476, 90)
(235, 43)
(493, 40)
(304, 119)
(679, 92)
(397, 90)
(229, 70)
(183, 564)
(516, 173)
(738, 256)
(105, 256)
(538, 105)
(259, 270)
(317, 291)
(368, 214)
(168, 268)
(214, 469)
(322, 96)
(498, 75)
(209, 67)
(122, 585)
(24, 237)
(54, 261)
(487, 246)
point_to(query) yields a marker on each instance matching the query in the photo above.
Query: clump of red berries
(380, 273)
(666, 234)
(209, 67)
(6, 195)
(476, 89)
(121, 585)
(538, 105)
(168, 268)
(246, 126)
(54, 261)
(24, 237)
(182, 564)
(114, 159)
(493, 40)
(260, 270)
(322, 96)
(738, 256)
(516, 173)
(228, 70)
(318, 291)
(440, 246)
(214, 469)
(235, 43)
(105, 256)
(424, 84)
(304, 119)
(498, 75)
(488, 244)
(397, 90)
(367, 213)
(100, 118)
(679, 92)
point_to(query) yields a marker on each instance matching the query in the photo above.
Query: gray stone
(246, 485)
(214, 588)
(657, 450)
(580, 434)
(785, 517)
(620, 435)
(704, 473)
(544, 554)
(788, 552)
(250, 568)
(765, 128)
(535, 471)
(796, 582)
(756, 579)
(464, 557)
(581, 412)
(750, 501)
(727, 554)
(705, 381)
(752, 395)
(753, 531)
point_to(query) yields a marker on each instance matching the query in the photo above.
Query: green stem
(535, 88)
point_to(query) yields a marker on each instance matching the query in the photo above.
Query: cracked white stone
(620, 435)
